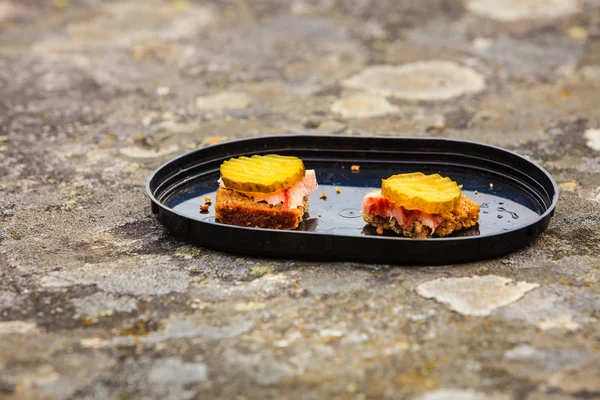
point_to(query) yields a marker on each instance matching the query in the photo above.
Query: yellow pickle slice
(264, 174)
(432, 194)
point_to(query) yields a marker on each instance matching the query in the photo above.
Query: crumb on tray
(323, 196)
(355, 168)
(338, 190)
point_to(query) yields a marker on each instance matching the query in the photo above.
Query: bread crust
(234, 208)
(415, 230)
(465, 215)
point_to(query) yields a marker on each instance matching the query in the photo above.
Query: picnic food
(419, 206)
(268, 191)
(264, 174)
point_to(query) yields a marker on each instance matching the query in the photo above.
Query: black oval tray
(517, 199)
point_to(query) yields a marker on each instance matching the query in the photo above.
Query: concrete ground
(97, 301)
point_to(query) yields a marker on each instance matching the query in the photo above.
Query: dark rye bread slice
(465, 215)
(234, 208)
(415, 230)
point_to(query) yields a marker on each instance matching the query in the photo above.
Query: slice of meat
(290, 197)
(381, 212)
(376, 204)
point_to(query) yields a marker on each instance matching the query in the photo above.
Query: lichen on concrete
(224, 101)
(461, 394)
(103, 303)
(150, 280)
(169, 377)
(98, 301)
(18, 328)
(515, 10)
(592, 137)
(478, 295)
(363, 106)
(425, 80)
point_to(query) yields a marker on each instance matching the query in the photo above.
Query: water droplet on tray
(484, 205)
(209, 219)
(499, 216)
(350, 213)
(514, 215)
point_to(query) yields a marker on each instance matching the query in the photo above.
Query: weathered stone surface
(592, 137)
(224, 101)
(185, 328)
(458, 394)
(330, 128)
(559, 322)
(172, 371)
(549, 395)
(363, 106)
(144, 153)
(7, 10)
(151, 280)
(102, 303)
(478, 295)
(260, 368)
(541, 55)
(539, 364)
(18, 328)
(515, 10)
(62, 380)
(553, 305)
(98, 301)
(583, 378)
(427, 80)
(6, 298)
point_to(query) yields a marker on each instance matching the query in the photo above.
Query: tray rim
(548, 213)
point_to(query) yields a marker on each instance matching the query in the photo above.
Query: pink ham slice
(375, 203)
(291, 197)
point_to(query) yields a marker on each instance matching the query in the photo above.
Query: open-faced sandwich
(268, 191)
(419, 206)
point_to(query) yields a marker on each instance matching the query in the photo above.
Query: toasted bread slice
(234, 208)
(465, 215)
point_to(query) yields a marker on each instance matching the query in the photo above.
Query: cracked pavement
(97, 301)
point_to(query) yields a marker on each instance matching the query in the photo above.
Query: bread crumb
(338, 190)
(355, 168)
(491, 185)
(379, 230)
(208, 199)
(323, 196)
(204, 208)
(476, 192)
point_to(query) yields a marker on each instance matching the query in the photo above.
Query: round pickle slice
(264, 174)
(431, 194)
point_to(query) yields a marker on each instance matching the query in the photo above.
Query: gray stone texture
(98, 301)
